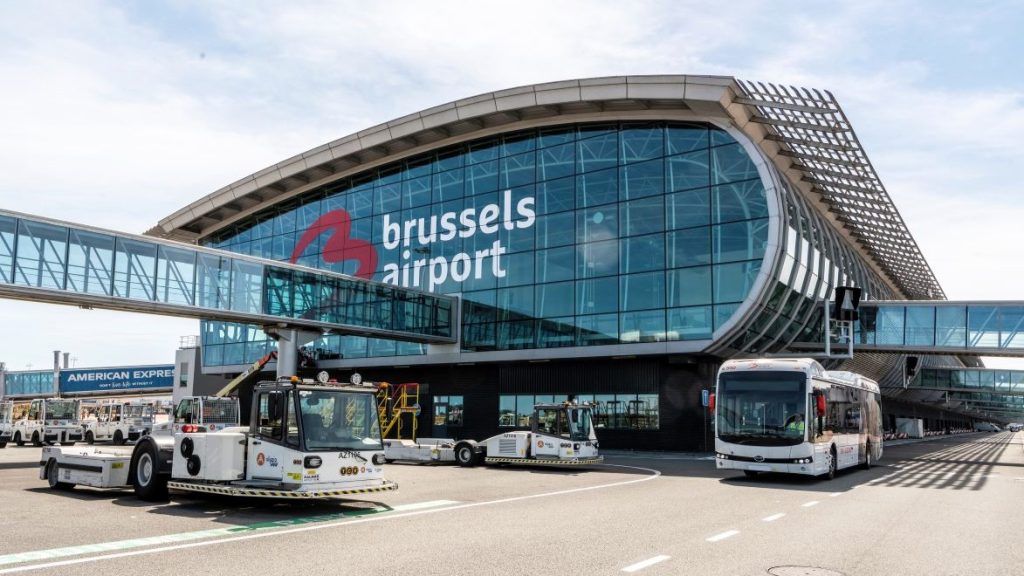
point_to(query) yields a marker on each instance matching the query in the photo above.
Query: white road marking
(723, 535)
(835, 494)
(205, 534)
(811, 503)
(773, 517)
(645, 563)
(321, 526)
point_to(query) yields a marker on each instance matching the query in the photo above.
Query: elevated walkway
(994, 392)
(940, 327)
(44, 260)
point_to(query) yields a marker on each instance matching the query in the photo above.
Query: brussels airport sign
(412, 235)
(116, 379)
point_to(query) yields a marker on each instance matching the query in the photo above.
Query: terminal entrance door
(440, 428)
(448, 412)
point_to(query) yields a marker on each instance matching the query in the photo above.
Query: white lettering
(425, 240)
(460, 275)
(496, 251)
(467, 222)
(507, 212)
(430, 273)
(392, 233)
(525, 209)
(409, 225)
(450, 229)
(488, 215)
(438, 272)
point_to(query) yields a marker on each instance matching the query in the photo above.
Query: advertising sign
(116, 379)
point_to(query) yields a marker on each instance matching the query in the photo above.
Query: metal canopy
(813, 131)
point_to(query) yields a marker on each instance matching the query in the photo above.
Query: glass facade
(578, 235)
(814, 260)
(611, 411)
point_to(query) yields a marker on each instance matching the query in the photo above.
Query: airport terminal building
(612, 239)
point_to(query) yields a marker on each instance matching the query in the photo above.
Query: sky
(116, 114)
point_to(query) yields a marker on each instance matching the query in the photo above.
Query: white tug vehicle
(119, 423)
(560, 435)
(6, 423)
(49, 420)
(304, 440)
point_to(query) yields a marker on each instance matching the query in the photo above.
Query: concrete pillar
(56, 372)
(288, 342)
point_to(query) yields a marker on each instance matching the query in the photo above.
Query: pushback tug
(304, 439)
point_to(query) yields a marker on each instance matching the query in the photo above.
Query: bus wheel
(867, 457)
(750, 473)
(18, 440)
(90, 438)
(35, 440)
(831, 464)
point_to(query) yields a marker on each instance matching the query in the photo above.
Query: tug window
(271, 414)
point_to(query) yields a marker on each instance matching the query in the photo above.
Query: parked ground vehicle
(761, 412)
(986, 427)
(212, 412)
(305, 440)
(119, 423)
(559, 435)
(49, 420)
(1014, 426)
(6, 423)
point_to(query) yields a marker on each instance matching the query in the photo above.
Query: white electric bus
(793, 416)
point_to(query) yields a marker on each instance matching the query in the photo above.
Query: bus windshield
(761, 408)
(336, 420)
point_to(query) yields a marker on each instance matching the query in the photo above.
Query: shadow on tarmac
(950, 463)
(234, 511)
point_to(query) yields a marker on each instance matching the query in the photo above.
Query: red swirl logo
(339, 247)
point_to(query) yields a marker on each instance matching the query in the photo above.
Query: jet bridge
(45, 260)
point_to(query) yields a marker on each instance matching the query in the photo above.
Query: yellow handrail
(392, 402)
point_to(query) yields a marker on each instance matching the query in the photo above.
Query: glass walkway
(941, 327)
(986, 390)
(45, 260)
(936, 327)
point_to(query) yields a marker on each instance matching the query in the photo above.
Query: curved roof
(804, 132)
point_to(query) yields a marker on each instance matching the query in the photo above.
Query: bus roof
(809, 366)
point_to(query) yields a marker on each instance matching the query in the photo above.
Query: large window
(581, 235)
(610, 411)
(456, 410)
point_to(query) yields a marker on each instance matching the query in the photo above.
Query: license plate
(760, 467)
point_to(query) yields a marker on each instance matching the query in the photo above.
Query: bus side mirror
(819, 404)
